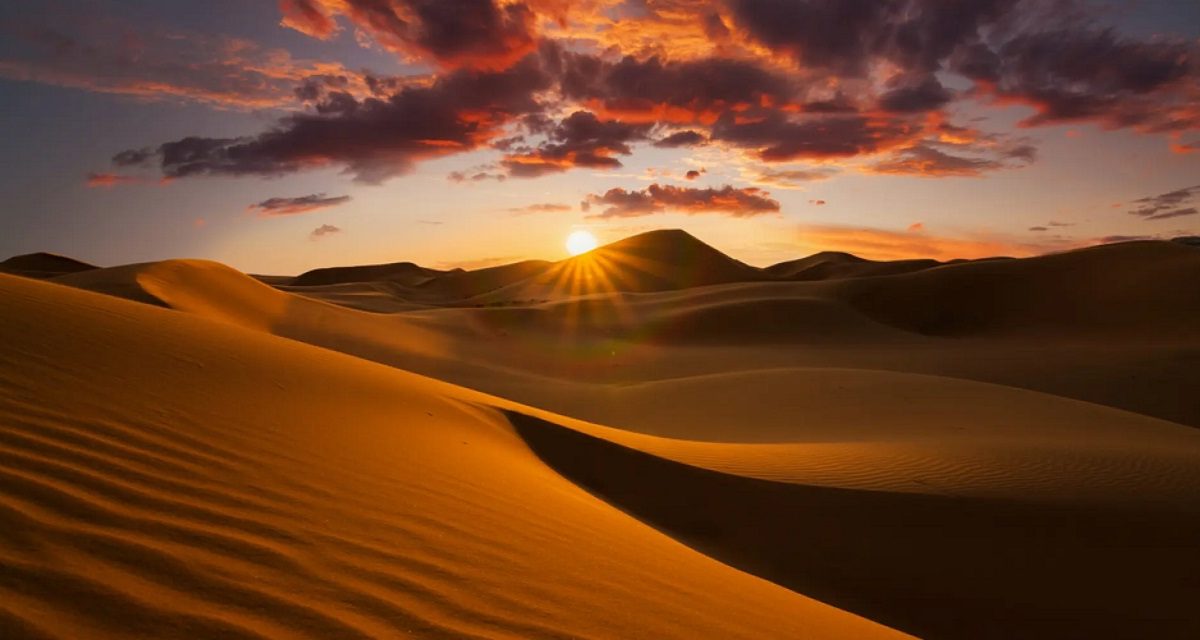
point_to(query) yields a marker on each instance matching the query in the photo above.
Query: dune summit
(651, 439)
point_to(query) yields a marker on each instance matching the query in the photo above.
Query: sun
(580, 242)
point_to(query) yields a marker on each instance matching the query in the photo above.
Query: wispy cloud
(301, 204)
(323, 230)
(1172, 204)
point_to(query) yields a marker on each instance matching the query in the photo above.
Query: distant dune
(43, 265)
(649, 440)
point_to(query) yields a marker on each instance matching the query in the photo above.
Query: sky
(280, 136)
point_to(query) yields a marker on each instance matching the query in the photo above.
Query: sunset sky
(282, 136)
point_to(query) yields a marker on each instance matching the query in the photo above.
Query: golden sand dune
(661, 442)
(166, 476)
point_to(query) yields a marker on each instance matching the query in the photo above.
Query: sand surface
(652, 441)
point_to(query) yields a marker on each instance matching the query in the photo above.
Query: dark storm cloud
(302, 204)
(728, 200)
(1173, 204)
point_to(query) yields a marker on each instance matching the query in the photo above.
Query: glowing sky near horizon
(282, 136)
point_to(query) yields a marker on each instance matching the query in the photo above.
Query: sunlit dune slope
(167, 476)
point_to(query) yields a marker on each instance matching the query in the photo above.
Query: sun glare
(580, 242)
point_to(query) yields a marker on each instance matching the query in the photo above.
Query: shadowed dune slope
(835, 264)
(1138, 289)
(936, 565)
(43, 265)
(165, 476)
(405, 273)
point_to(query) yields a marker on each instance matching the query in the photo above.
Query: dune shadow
(932, 565)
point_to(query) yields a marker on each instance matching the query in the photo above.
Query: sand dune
(405, 273)
(653, 440)
(43, 265)
(937, 565)
(835, 264)
(246, 486)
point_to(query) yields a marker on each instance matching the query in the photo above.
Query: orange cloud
(109, 180)
(884, 244)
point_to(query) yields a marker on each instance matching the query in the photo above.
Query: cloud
(480, 263)
(885, 244)
(372, 138)
(556, 85)
(818, 203)
(1038, 229)
(579, 140)
(108, 180)
(728, 200)
(544, 207)
(481, 34)
(778, 138)
(292, 206)
(692, 174)
(309, 17)
(148, 63)
(687, 138)
(926, 160)
(846, 36)
(1113, 239)
(684, 92)
(916, 227)
(1173, 204)
(1146, 85)
(477, 176)
(790, 178)
(909, 93)
(323, 230)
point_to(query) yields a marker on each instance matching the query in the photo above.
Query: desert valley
(650, 439)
